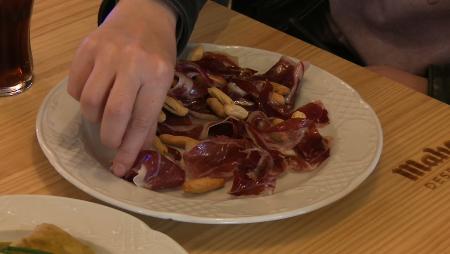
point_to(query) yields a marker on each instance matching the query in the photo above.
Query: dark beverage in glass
(16, 62)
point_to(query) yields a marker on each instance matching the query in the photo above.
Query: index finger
(148, 105)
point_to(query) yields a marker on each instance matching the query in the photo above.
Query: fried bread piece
(50, 238)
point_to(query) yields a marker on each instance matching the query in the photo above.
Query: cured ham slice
(315, 111)
(180, 126)
(230, 127)
(216, 157)
(187, 90)
(254, 175)
(193, 70)
(222, 157)
(313, 149)
(154, 171)
(260, 89)
(295, 144)
(282, 137)
(192, 130)
(223, 65)
(286, 72)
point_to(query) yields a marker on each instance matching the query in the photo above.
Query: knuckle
(89, 43)
(162, 66)
(138, 57)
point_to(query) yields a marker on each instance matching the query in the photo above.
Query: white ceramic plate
(355, 130)
(106, 230)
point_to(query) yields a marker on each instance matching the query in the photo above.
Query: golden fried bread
(50, 238)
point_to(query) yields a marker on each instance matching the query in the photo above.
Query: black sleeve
(186, 11)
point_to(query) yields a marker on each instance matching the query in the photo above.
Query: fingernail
(118, 169)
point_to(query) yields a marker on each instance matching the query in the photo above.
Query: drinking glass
(16, 63)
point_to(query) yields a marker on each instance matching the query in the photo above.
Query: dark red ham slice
(175, 120)
(254, 175)
(154, 171)
(294, 144)
(222, 157)
(222, 65)
(216, 157)
(285, 72)
(221, 61)
(230, 127)
(315, 111)
(192, 93)
(251, 87)
(271, 109)
(191, 69)
(313, 149)
(280, 137)
(180, 126)
(187, 90)
(198, 106)
(192, 130)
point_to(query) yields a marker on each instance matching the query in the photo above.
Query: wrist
(151, 8)
(184, 14)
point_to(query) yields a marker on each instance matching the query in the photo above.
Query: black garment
(439, 82)
(308, 20)
(186, 10)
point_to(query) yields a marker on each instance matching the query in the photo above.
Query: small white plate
(105, 230)
(356, 148)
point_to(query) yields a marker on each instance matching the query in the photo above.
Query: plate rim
(175, 246)
(355, 183)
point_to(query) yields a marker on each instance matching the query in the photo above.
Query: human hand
(121, 74)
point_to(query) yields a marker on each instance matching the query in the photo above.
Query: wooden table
(388, 213)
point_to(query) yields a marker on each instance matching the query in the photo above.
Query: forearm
(437, 85)
(186, 12)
